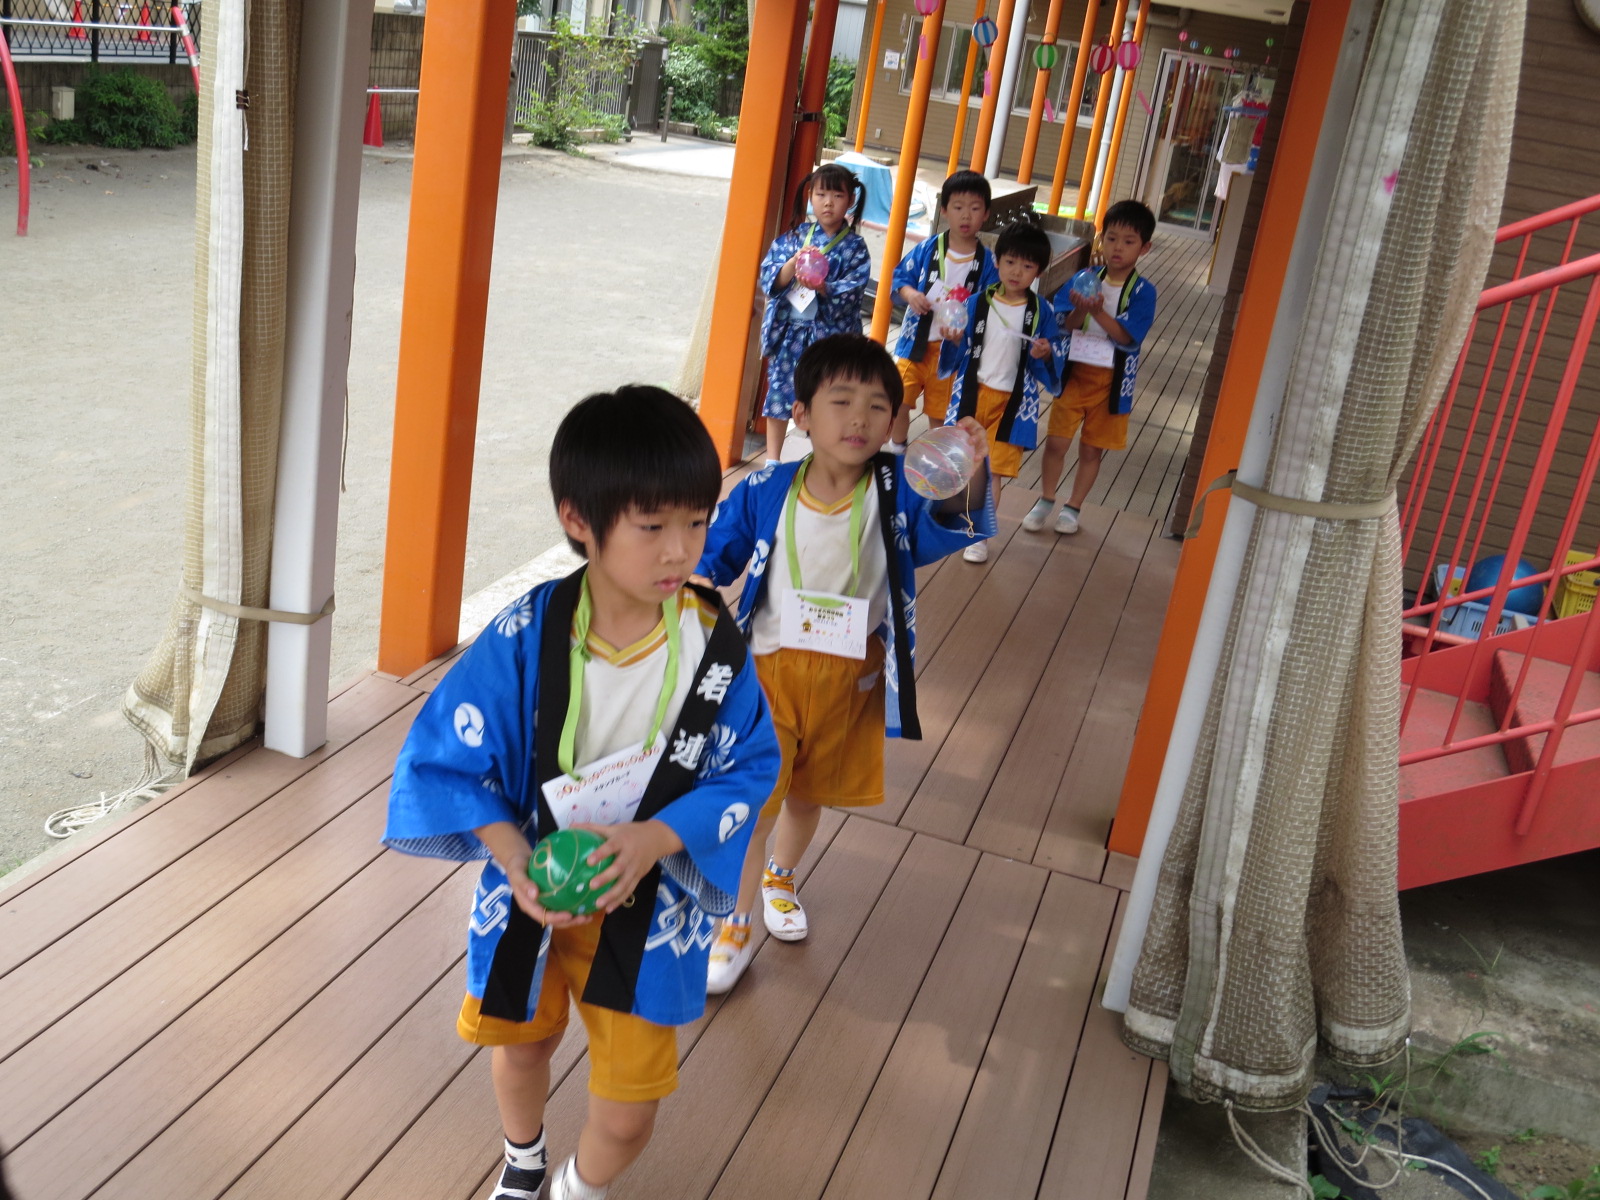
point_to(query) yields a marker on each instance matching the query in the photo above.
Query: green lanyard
(837, 238)
(857, 504)
(578, 658)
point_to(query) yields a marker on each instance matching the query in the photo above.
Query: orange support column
(1120, 127)
(813, 90)
(991, 89)
(1041, 87)
(1101, 104)
(906, 173)
(455, 183)
(755, 196)
(966, 90)
(1269, 263)
(866, 82)
(1080, 72)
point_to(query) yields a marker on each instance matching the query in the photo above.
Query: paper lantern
(927, 7)
(1045, 56)
(1128, 55)
(1270, 43)
(1101, 58)
(1208, 50)
(1183, 36)
(985, 31)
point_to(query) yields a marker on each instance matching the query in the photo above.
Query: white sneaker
(567, 1184)
(729, 958)
(1067, 522)
(977, 552)
(1038, 514)
(781, 910)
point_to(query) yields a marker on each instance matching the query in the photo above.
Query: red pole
(19, 133)
(182, 22)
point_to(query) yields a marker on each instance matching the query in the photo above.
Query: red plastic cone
(76, 31)
(373, 135)
(144, 19)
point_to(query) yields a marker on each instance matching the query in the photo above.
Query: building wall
(848, 32)
(35, 79)
(396, 63)
(885, 123)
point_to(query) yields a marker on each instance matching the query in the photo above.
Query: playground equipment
(76, 27)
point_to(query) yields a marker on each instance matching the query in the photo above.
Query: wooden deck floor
(236, 992)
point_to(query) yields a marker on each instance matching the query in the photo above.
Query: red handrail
(19, 135)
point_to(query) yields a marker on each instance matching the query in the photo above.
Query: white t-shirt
(1002, 347)
(1090, 344)
(824, 536)
(959, 272)
(621, 687)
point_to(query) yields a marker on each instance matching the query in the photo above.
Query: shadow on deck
(236, 992)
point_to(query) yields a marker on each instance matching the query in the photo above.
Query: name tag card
(804, 301)
(823, 622)
(606, 792)
(1091, 350)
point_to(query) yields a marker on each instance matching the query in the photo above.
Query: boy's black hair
(638, 446)
(1130, 214)
(1025, 240)
(966, 183)
(852, 355)
(831, 177)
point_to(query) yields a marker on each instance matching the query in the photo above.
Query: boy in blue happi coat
(831, 545)
(620, 700)
(1005, 360)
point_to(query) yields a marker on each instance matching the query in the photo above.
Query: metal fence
(538, 73)
(75, 30)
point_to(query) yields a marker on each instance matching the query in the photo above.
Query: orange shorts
(828, 715)
(1004, 458)
(630, 1059)
(1086, 401)
(922, 379)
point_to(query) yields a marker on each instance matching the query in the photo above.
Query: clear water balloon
(811, 267)
(1085, 284)
(940, 463)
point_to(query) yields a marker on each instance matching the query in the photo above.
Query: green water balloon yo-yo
(560, 870)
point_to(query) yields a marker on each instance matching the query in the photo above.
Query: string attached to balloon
(941, 463)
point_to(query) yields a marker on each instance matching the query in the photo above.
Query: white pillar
(1253, 460)
(330, 101)
(1007, 97)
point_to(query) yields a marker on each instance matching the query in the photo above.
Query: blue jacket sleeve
(467, 752)
(953, 355)
(715, 819)
(1048, 370)
(1141, 312)
(935, 530)
(854, 263)
(913, 268)
(783, 248)
(731, 540)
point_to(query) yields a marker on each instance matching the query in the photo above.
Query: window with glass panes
(951, 63)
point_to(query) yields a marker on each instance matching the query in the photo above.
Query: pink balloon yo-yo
(940, 463)
(811, 267)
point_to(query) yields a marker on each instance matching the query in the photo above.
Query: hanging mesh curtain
(1276, 919)
(200, 694)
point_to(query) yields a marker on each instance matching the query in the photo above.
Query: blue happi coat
(784, 334)
(1036, 377)
(919, 269)
(1136, 311)
(473, 758)
(744, 530)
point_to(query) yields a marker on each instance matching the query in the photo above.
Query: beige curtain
(1276, 920)
(200, 694)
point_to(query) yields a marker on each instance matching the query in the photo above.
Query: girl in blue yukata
(797, 315)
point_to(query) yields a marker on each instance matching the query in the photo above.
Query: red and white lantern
(1102, 58)
(1128, 55)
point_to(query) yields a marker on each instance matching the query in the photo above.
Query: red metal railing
(1461, 476)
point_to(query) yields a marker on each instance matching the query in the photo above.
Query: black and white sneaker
(523, 1175)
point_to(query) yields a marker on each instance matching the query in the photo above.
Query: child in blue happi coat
(796, 315)
(832, 546)
(621, 700)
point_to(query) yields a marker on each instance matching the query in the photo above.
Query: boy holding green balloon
(607, 734)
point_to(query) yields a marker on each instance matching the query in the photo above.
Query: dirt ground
(598, 270)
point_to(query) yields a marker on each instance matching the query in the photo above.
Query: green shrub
(64, 133)
(836, 106)
(190, 117)
(128, 112)
(696, 86)
(581, 65)
(37, 121)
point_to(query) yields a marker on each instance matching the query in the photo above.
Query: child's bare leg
(796, 827)
(1051, 464)
(521, 1084)
(900, 427)
(997, 482)
(777, 430)
(1088, 470)
(755, 859)
(615, 1134)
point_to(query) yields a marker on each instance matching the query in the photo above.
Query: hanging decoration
(1183, 36)
(1102, 58)
(1045, 56)
(1207, 50)
(985, 31)
(1128, 55)
(927, 7)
